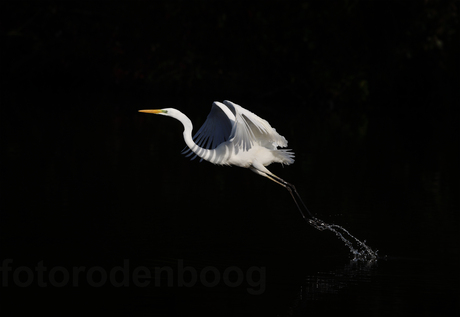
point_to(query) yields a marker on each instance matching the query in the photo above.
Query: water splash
(359, 249)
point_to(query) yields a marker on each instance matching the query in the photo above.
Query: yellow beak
(156, 111)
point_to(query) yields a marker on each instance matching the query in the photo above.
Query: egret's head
(169, 112)
(156, 111)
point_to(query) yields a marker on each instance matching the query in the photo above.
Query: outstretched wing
(251, 129)
(216, 129)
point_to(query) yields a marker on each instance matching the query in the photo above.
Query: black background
(366, 93)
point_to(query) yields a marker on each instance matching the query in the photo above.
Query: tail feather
(285, 156)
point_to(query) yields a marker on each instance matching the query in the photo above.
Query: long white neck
(212, 156)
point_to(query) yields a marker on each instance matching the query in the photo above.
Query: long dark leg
(361, 252)
(291, 189)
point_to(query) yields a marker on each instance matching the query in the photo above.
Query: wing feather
(231, 122)
(250, 129)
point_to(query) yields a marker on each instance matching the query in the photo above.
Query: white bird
(232, 135)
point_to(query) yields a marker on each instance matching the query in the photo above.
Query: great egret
(232, 135)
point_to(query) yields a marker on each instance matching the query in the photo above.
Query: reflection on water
(324, 283)
(319, 286)
(394, 287)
